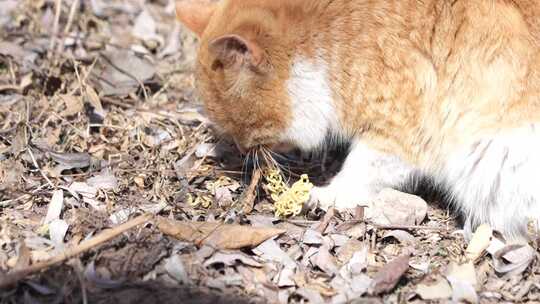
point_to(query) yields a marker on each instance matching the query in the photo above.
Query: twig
(39, 169)
(56, 25)
(67, 29)
(105, 236)
(251, 193)
(303, 223)
(407, 227)
(6, 203)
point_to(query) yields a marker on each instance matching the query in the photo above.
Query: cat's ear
(195, 14)
(234, 50)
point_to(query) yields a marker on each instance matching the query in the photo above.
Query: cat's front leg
(363, 175)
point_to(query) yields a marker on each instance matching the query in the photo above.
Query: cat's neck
(347, 54)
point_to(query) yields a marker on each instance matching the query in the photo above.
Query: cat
(449, 89)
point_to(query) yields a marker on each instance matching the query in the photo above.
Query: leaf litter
(105, 126)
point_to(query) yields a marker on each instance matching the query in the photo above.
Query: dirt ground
(100, 124)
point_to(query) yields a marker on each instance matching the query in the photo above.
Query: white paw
(341, 198)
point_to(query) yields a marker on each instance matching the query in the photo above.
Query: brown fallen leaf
(326, 220)
(387, 278)
(218, 235)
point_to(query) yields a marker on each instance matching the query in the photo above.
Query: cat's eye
(217, 65)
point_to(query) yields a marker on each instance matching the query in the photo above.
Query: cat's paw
(340, 198)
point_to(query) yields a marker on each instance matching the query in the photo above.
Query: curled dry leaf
(387, 278)
(479, 242)
(513, 259)
(219, 235)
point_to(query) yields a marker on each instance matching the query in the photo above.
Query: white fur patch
(364, 174)
(496, 181)
(314, 111)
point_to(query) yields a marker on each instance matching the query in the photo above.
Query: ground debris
(100, 122)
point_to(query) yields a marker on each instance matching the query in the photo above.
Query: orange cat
(450, 89)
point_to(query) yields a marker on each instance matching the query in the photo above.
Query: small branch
(105, 236)
(251, 193)
(67, 29)
(407, 227)
(39, 169)
(7, 203)
(56, 25)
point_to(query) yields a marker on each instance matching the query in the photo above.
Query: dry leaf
(463, 272)
(479, 242)
(360, 284)
(326, 261)
(176, 269)
(55, 207)
(462, 291)
(93, 98)
(23, 258)
(513, 259)
(71, 160)
(104, 181)
(401, 235)
(231, 259)
(462, 278)
(312, 237)
(392, 207)
(270, 251)
(73, 105)
(57, 231)
(357, 264)
(387, 278)
(311, 295)
(124, 72)
(221, 236)
(440, 290)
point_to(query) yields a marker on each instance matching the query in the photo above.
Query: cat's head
(244, 67)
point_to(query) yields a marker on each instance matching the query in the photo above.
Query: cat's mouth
(278, 147)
